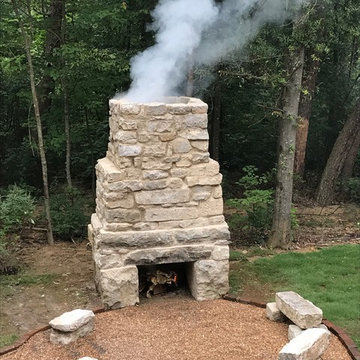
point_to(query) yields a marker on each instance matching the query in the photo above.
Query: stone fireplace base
(159, 201)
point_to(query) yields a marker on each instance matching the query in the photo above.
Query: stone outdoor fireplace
(159, 201)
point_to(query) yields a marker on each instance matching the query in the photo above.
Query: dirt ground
(26, 307)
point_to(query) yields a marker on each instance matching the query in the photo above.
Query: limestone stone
(309, 345)
(143, 137)
(137, 238)
(301, 312)
(110, 172)
(214, 220)
(158, 150)
(200, 145)
(126, 137)
(151, 164)
(198, 158)
(128, 124)
(200, 193)
(160, 126)
(208, 279)
(119, 287)
(179, 172)
(184, 163)
(131, 109)
(90, 232)
(163, 214)
(211, 207)
(155, 109)
(196, 121)
(178, 109)
(142, 226)
(122, 215)
(181, 145)
(64, 338)
(164, 196)
(203, 180)
(199, 108)
(155, 174)
(217, 193)
(129, 150)
(155, 184)
(195, 134)
(220, 253)
(293, 331)
(174, 254)
(72, 320)
(123, 226)
(126, 185)
(273, 313)
(207, 233)
(167, 136)
(125, 202)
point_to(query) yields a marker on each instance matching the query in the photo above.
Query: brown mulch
(175, 328)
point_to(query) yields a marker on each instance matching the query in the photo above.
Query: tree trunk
(38, 124)
(339, 153)
(309, 85)
(348, 169)
(66, 104)
(281, 227)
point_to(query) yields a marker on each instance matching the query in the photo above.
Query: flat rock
(309, 345)
(64, 338)
(294, 331)
(301, 312)
(273, 313)
(72, 320)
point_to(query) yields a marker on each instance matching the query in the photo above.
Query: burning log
(160, 281)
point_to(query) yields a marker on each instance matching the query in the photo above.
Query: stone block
(155, 184)
(198, 158)
(151, 164)
(200, 145)
(195, 134)
(204, 180)
(167, 136)
(160, 126)
(174, 254)
(125, 201)
(129, 109)
(179, 172)
(155, 109)
(119, 287)
(293, 331)
(137, 238)
(181, 145)
(129, 150)
(126, 137)
(217, 193)
(72, 320)
(163, 214)
(178, 109)
(126, 185)
(273, 313)
(155, 174)
(122, 215)
(220, 253)
(199, 108)
(208, 279)
(109, 171)
(166, 196)
(309, 345)
(64, 338)
(196, 120)
(301, 312)
(158, 150)
(211, 207)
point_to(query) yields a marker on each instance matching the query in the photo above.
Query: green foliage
(68, 213)
(7, 339)
(16, 210)
(352, 189)
(332, 284)
(254, 214)
(23, 279)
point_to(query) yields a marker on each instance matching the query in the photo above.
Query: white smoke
(201, 30)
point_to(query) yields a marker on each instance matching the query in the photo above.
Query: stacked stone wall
(159, 199)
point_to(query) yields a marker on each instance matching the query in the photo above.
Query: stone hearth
(159, 201)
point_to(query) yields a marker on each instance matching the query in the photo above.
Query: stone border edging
(337, 331)
(345, 339)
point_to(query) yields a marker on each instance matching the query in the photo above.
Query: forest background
(81, 52)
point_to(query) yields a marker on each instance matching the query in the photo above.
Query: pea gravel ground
(175, 328)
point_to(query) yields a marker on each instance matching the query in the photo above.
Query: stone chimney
(159, 201)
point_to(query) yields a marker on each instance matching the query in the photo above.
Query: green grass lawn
(330, 278)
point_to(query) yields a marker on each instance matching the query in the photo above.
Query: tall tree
(344, 142)
(27, 41)
(281, 226)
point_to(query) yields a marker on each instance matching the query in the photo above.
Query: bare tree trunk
(66, 103)
(350, 160)
(309, 85)
(339, 153)
(281, 227)
(38, 124)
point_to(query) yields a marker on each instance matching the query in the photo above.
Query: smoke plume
(199, 31)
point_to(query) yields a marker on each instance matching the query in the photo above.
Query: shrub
(352, 188)
(16, 210)
(68, 209)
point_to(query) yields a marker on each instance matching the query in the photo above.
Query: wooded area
(287, 102)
